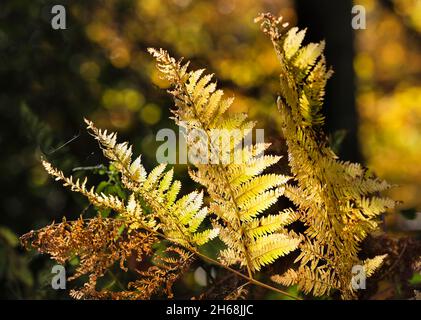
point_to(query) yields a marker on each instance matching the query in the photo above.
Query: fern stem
(249, 279)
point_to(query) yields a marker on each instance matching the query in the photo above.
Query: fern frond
(168, 267)
(178, 219)
(159, 191)
(98, 243)
(100, 200)
(373, 264)
(338, 201)
(239, 192)
(318, 281)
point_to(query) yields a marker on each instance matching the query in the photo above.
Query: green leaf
(415, 279)
(9, 236)
(103, 185)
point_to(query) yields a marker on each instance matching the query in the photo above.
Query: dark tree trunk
(331, 20)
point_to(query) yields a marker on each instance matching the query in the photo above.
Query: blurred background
(99, 68)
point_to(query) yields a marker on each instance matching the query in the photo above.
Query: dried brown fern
(98, 243)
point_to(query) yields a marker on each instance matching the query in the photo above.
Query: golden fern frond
(373, 264)
(100, 200)
(309, 279)
(239, 192)
(132, 211)
(288, 278)
(338, 201)
(179, 219)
